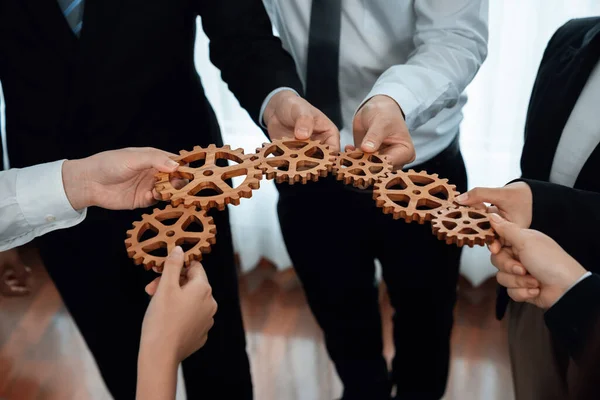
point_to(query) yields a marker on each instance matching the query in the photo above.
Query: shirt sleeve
(450, 42)
(572, 319)
(33, 202)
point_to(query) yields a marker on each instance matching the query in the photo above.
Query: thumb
(303, 119)
(376, 134)
(480, 195)
(154, 158)
(509, 231)
(172, 268)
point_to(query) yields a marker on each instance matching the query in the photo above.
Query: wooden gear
(292, 160)
(463, 226)
(361, 169)
(170, 235)
(414, 196)
(209, 176)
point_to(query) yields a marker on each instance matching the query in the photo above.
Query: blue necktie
(73, 12)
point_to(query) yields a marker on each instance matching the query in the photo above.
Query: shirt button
(50, 218)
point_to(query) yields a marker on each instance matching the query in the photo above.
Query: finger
(399, 154)
(178, 183)
(482, 195)
(516, 281)
(522, 294)
(349, 148)
(506, 262)
(508, 231)
(172, 268)
(196, 273)
(495, 247)
(326, 132)
(152, 286)
(154, 158)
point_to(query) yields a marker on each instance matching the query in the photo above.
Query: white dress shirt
(421, 53)
(33, 202)
(580, 135)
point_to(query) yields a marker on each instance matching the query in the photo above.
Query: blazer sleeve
(570, 216)
(252, 60)
(572, 320)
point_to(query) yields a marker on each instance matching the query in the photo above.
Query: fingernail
(463, 197)
(495, 217)
(172, 163)
(177, 250)
(518, 270)
(533, 292)
(369, 144)
(302, 132)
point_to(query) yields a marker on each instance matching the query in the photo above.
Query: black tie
(322, 66)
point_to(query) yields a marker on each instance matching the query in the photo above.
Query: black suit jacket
(130, 79)
(569, 216)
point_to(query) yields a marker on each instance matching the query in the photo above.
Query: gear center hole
(467, 222)
(417, 192)
(170, 233)
(362, 164)
(207, 173)
(294, 155)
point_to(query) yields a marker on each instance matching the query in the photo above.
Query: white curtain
(491, 133)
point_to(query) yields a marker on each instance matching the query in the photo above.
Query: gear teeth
(206, 238)
(462, 219)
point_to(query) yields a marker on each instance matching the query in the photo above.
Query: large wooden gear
(361, 169)
(169, 228)
(414, 196)
(292, 160)
(463, 226)
(208, 187)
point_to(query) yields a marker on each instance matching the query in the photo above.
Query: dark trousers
(104, 292)
(333, 234)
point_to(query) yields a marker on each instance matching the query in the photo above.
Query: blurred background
(42, 355)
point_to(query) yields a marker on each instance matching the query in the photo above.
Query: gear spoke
(306, 160)
(171, 236)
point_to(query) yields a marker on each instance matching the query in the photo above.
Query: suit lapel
(55, 29)
(552, 106)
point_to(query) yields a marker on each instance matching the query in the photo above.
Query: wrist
(158, 354)
(385, 100)
(76, 184)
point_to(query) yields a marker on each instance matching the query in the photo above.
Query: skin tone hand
(175, 326)
(288, 115)
(379, 126)
(13, 274)
(513, 202)
(116, 180)
(551, 270)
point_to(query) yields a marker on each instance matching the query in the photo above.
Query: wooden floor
(42, 355)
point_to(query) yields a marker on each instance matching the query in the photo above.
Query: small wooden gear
(292, 160)
(463, 226)
(173, 226)
(361, 169)
(414, 196)
(207, 187)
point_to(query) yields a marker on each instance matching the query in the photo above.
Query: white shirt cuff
(587, 274)
(267, 99)
(41, 195)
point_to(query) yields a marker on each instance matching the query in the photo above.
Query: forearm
(450, 46)
(567, 215)
(251, 59)
(33, 203)
(157, 374)
(572, 319)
